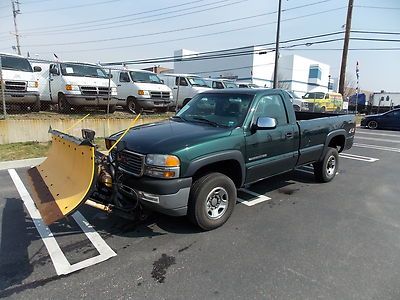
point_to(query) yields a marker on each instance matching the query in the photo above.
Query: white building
(301, 74)
(295, 72)
(255, 66)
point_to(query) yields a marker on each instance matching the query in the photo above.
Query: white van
(73, 84)
(220, 83)
(21, 86)
(139, 89)
(186, 85)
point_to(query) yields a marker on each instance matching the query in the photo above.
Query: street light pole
(278, 28)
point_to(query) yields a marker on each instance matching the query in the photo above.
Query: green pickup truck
(222, 140)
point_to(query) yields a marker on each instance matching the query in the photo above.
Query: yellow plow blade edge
(65, 179)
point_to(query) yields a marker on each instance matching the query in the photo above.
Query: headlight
(113, 90)
(33, 84)
(143, 93)
(162, 166)
(70, 87)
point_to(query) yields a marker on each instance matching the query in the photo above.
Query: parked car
(248, 85)
(21, 86)
(220, 141)
(324, 102)
(299, 104)
(74, 85)
(220, 83)
(186, 85)
(387, 120)
(139, 89)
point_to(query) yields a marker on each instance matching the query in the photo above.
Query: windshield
(82, 70)
(16, 63)
(316, 95)
(197, 81)
(225, 110)
(230, 85)
(144, 77)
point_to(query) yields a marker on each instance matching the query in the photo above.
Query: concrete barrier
(14, 131)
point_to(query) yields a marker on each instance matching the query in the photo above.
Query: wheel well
(60, 94)
(337, 141)
(230, 168)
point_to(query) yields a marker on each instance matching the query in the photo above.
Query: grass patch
(26, 150)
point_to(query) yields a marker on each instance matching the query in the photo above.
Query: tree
(350, 86)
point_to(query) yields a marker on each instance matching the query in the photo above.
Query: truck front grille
(94, 91)
(131, 162)
(15, 86)
(160, 95)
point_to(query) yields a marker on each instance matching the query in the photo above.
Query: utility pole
(16, 11)
(345, 47)
(278, 28)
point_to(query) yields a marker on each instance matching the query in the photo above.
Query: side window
(54, 68)
(271, 106)
(181, 81)
(217, 85)
(124, 77)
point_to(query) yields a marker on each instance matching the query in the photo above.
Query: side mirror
(265, 123)
(302, 97)
(162, 81)
(37, 69)
(110, 76)
(54, 71)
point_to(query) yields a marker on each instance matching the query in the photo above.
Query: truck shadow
(17, 233)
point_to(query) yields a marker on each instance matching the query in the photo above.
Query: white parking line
(377, 147)
(258, 198)
(377, 139)
(58, 258)
(358, 157)
(377, 133)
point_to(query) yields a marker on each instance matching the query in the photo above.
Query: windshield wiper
(208, 121)
(179, 117)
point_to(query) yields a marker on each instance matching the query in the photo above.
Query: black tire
(372, 124)
(212, 189)
(36, 106)
(133, 105)
(45, 105)
(112, 109)
(326, 169)
(323, 109)
(63, 105)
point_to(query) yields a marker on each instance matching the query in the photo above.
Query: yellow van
(322, 102)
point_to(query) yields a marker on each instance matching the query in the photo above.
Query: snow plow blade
(65, 179)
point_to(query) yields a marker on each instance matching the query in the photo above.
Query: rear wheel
(133, 105)
(63, 105)
(326, 169)
(323, 109)
(211, 201)
(372, 124)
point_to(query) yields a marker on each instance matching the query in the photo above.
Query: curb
(22, 163)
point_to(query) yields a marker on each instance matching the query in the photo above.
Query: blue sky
(41, 22)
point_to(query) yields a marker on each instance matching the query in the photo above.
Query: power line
(178, 39)
(376, 7)
(76, 30)
(143, 19)
(339, 49)
(68, 7)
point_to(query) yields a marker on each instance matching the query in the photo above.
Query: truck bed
(314, 129)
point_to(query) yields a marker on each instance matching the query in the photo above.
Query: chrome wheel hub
(331, 166)
(217, 203)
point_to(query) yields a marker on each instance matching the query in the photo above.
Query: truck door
(182, 85)
(125, 89)
(54, 82)
(270, 152)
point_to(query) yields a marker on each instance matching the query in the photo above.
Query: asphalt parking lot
(288, 238)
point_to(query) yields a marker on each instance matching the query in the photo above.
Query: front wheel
(36, 105)
(133, 105)
(372, 124)
(211, 201)
(326, 169)
(63, 105)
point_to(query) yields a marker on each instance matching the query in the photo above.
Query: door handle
(118, 85)
(175, 88)
(289, 135)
